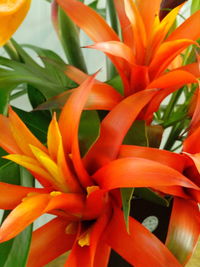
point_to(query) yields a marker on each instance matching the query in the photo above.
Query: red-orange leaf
(49, 242)
(114, 128)
(140, 248)
(184, 229)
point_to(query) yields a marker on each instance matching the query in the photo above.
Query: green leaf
(18, 253)
(116, 82)
(126, 194)
(195, 6)
(88, 130)
(151, 196)
(4, 100)
(100, 11)
(69, 36)
(137, 135)
(48, 57)
(154, 133)
(19, 73)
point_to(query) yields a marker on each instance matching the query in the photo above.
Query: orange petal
(184, 31)
(114, 128)
(173, 78)
(160, 31)
(101, 97)
(184, 229)
(173, 160)
(165, 55)
(140, 248)
(69, 122)
(51, 168)
(64, 163)
(139, 172)
(72, 203)
(139, 31)
(7, 142)
(11, 195)
(12, 14)
(127, 32)
(23, 215)
(49, 242)
(93, 24)
(85, 256)
(148, 10)
(54, 138)
(192, 143)
(193, 68)
(21, 132)
(117, 49)
(102, 254)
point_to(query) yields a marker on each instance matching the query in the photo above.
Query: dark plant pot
(140, 210)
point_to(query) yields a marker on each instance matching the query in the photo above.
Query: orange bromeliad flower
(12, 13)
(143, 55)
(83, 193)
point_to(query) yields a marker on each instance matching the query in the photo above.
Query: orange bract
(79, 191)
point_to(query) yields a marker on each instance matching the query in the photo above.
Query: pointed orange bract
(146, 250)
(132, 172)
(92, 23)
(114, 128)
(184, 229)
(51, 237)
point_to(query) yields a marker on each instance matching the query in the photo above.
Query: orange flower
(141, 58)
(80, 191)
(12, 13)
(146, 50)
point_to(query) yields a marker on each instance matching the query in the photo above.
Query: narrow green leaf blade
(69, 36)
(126, 194)
(88, 130)
(195, 6)
(137, 134)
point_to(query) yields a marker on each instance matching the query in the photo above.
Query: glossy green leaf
(18, 253)
(69, 36)
(101, 11)
(154, 134)
(126, 194)
(116, 82)
(53, 64)
(195, 6)
(19, 73)
(4, 100)
(88, 130)
(137, 135)
(150, 195)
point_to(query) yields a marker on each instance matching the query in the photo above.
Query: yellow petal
(84, 239)
(54, 138)
(51, 167)
(31, 164)
(12, 13)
